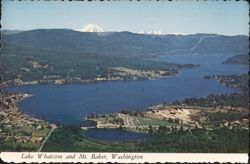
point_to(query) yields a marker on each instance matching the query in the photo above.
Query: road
(46, 138)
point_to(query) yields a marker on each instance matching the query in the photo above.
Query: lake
(71, 103)
(114, 134)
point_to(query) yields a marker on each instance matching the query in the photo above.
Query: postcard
(124, 81)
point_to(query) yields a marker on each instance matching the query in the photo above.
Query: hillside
(238, 59)
(65, 56)
(126, 43)
(31, 66)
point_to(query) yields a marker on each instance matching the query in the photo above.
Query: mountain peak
(92, 28)
(152, 32)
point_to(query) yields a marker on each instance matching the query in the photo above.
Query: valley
(162, 93)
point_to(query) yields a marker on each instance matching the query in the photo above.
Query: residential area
(19, 131)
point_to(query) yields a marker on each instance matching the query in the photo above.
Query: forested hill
(238, 59)
(20, 65)
(64, 55)
(125, 43)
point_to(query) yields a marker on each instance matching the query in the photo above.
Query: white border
(19, 157)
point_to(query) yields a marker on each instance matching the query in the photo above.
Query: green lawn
(151, 121)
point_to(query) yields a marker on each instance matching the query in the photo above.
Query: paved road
(46, 138)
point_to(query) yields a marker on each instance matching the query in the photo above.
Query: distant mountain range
(52, 55)
(95, 28)
(125, 43)
(6, 32)
(158, 32)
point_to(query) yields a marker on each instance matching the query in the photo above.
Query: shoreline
(119, 74)
(120, 114)
(4, 84)
(21, 131)
(184, 117)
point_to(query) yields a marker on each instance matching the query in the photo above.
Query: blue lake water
(114, 134)
(70, 103)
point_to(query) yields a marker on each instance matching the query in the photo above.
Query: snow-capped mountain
(95, 28)
(92, 28)
(154, 32)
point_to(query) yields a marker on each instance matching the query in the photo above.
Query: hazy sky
(228, 18)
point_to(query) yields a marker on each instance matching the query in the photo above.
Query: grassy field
(158, 122)
(17, 139)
